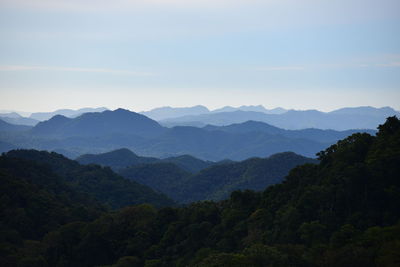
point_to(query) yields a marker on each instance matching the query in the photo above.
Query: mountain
(100, 183)
(5, 147)
(116, 159)
(122, 158)
(99, 124)
(163, 177)
(70, 113)
(8, 127)
(189, 163)
(343, 211)
(94, 133)
(311, 133)
(218, 144)
(170, 112)
(35, 201)
(15, 118)
(258, 108)
(217, 181)
(343, 119)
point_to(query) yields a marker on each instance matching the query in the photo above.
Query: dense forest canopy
(343, 211)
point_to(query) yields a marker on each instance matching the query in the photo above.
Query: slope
(100, 183)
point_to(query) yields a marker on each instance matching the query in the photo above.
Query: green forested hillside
(344, 211)
(99, 182)
(217, 181)
(124, 158)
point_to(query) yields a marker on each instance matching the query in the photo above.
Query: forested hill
(101, 183)
(215, 182)
(343, 211)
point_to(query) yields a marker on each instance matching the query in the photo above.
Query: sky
(141, 54)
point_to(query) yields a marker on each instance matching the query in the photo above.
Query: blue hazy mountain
(8, 127)
(173, 112)
(311, 133)
(170, 112)
(99, 124)
(70, 113)
(15, 118)
(258, 108)
(5, 147)
(94, 133)
(122, 158)
(342, 119)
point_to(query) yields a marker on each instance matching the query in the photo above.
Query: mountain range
(200, 116)
(186, 179)
(109, 130)
(101, 184)
(342, 211)
(341, 119)
(123, 158)
(36, 117)
(173, 112)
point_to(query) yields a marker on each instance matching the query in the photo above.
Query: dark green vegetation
(215, 182)
(344, 211)
(110, 130)
(122, 158)
(101, 183)
(116, 159)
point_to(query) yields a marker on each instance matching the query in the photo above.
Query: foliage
(345, 211)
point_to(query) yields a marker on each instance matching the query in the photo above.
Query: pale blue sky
(302, 54)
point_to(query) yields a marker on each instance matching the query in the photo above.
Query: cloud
(106, 5)
(72, 69)
(390, 64)
(282, 68)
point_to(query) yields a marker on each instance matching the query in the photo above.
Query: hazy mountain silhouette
(258, 108)
(170, 112)
(111, 130)
(99, 124)
(15, 118)
(8, 127)
(311, 133)
(42, 116)
(5, 147)
(342, 119)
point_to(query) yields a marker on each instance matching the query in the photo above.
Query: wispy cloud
(281, 68)
(390, 64)
(73, 69)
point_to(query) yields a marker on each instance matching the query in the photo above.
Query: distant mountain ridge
(110, 130)
(103, 123)
(15, 118)
(176, 112)
(70, 113)
(341, 119)
(9, 127)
